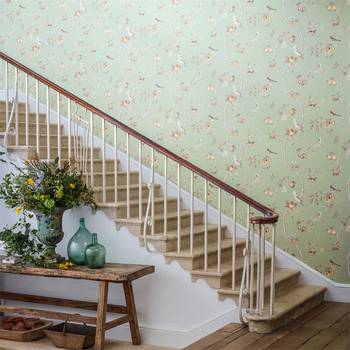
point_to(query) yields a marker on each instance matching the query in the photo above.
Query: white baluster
(262, 266)
(178, 207)
(7, 94)
(219, 231)
(165, 224)
(69, 111)
(272, 277)
(27, 110)
(104, 194)
(115, 164)
(248, 247)
(140, 180)
(258, 275)
(192, 213)
(59, 129)
(234, 240)
(16, 107)
(206, 225)
(127, 177)
(152, 190)
(251, 289)
(92, 148)
(48, 123)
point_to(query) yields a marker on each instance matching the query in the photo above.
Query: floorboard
(326, 327)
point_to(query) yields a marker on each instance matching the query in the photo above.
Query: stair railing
(113, 140)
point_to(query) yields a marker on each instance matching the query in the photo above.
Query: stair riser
(22, 117)
(172, 223)
(54, 153)
(21, 107)
(190, 263)
(198, 240)
(134, 209)
(97, 165)
(42, 140)
(32, 129)
(122, 194)
(121, 179)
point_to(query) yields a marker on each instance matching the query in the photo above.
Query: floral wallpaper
(254, 91)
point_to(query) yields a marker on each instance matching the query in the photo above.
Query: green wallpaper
(254, 91)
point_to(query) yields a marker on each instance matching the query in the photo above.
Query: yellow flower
(72, 186)
(18, 210)
(30, 181)
(42, 197)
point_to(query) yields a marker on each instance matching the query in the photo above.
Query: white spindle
(37, 128)
(258, 274)
(234, 239)
(192, 212)
(272, 277)
(7, 94)
(58, 129)
(115, 164)
(140, 180)
(219, 230)
(262, 266)
(27, 110)
(248, 247)
(127, 176)
(251, 289)
(152, 190)
(104, 199)
(165, 224)
(16, 107)
(48, 123)
(178, 207)
(69, 130)
(92, 148)
(205, 225)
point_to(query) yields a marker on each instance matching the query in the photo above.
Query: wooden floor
(326, 327)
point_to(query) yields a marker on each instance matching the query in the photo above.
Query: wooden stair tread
(281, 274)
(100, 173)
(288, 301)
(199, 251)
(135, 201)
(123, 187)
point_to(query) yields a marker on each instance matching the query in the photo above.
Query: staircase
(238, 268)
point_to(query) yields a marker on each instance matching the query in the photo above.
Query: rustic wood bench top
(111, 272)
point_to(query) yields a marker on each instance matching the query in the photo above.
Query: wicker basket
(71, 336)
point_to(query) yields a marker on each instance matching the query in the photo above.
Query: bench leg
(130, 305)
(101, 315)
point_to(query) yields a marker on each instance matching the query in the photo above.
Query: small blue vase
(78, 243)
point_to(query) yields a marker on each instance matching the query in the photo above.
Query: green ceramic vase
(95, 254)
(50, 233)
(78, 243)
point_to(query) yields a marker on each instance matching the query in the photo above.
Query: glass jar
(95, 254)
(78, 243)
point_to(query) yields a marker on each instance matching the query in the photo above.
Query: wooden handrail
(183, 162)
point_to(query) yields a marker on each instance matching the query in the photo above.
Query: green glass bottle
(78, 243)
(95, 254)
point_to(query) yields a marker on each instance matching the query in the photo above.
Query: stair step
(122, 193)
(283, 278)
(22, 116)
(169, 243)
(121, 178)
(288, 306)
(42, 140)
(219, 280)
(191, 261)
(32, 128)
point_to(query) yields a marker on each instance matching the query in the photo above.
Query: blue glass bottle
(95, 254)
(78, 243)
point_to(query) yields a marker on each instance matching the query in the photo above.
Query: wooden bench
(111, 273)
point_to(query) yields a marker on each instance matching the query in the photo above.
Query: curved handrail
(183, 162)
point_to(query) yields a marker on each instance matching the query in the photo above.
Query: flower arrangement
(46, 190)
(42, 187)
